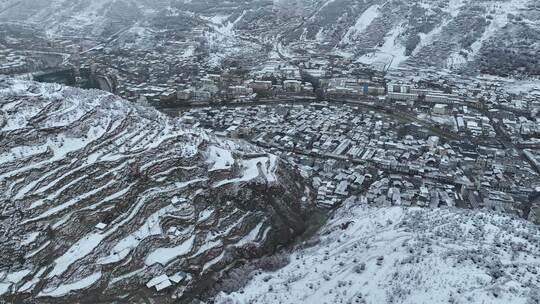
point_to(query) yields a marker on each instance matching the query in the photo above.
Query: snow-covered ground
(396, 255)
(453, 34)
(362, 23)
(499, 12)
(391, 53)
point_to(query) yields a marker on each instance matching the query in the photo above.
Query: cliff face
(99, 197)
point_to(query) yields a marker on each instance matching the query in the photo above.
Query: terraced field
(101, 195)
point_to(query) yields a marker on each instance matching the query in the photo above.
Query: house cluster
(348, 151)
(13, 62)
(511, 107)
(22, 56)
(161, 76)
(353, 87)
(197, 83)
(522, 128)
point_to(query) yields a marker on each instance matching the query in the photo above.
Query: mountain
(497, 37)
(397, 255)
(100, 196)
(77, 18)
(452, 34)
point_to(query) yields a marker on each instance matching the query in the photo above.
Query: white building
(292, 86)
(440, 109)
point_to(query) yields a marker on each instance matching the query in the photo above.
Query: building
(237, 91)
(376, 90)
(402, 96)
(292, 86)
(184, 95)
(260, 85)
(440, 109)
(168, 96)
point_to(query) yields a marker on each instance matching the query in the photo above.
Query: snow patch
(164, 255)
(65, 289)
(361, 24)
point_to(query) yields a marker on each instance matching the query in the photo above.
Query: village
(385, 137)
(348, 151)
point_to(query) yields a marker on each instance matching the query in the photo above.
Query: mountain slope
(488, 36)
(77, 18)
(452, 34)
(100, 196)
(396, 255)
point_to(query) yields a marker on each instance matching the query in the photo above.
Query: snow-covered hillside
(396, 255)
(451, 34)
(76, 17)
(492, 36)
(100, 196)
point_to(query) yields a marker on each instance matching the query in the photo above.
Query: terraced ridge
(99, 196)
